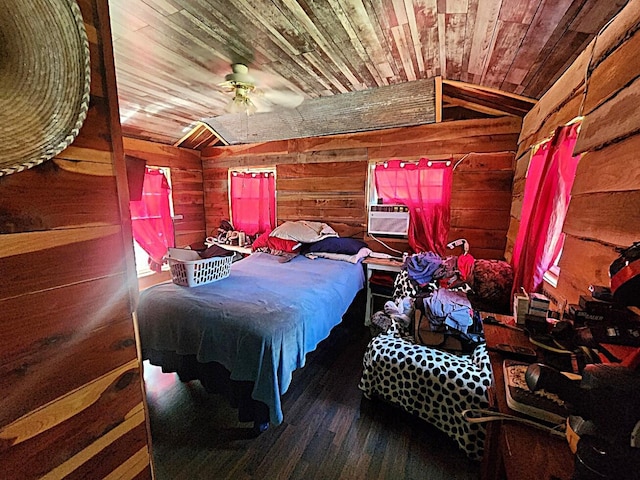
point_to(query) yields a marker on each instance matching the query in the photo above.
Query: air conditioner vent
(389, 220)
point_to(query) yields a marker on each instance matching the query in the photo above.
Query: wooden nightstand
(380, 264)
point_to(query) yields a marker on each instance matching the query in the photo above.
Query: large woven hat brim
(45, 78)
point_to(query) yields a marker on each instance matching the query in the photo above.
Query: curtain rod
(414, 162)
(460, 160)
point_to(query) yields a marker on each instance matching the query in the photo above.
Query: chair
(435, 385)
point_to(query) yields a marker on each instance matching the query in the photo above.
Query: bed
(257, 324)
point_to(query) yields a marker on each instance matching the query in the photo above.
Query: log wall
(72, 397)
(325, 178)
(604, 212)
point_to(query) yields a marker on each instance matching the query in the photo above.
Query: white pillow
(362, 253)
(303, 231)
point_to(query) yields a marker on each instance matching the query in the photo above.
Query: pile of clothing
(430, 301)
(430, 270)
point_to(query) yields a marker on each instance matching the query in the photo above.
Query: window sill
(551, 276)
(148, 272)
(148, 280)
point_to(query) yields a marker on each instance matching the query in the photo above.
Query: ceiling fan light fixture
(241, 103)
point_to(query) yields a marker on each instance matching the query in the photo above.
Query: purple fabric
(422, 266)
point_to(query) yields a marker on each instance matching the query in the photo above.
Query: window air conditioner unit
(389, 220)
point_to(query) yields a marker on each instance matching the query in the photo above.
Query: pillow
(491, 288)
(289, 246)
(261, 241)
(347, 246)
(303, 231)
(274, 243)
(355, 258)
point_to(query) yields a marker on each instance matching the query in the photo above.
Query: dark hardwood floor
(330, 431)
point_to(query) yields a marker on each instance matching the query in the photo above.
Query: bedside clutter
(514, 451)
(595, 335)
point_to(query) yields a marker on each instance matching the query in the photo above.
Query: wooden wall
(72, 398)
(604, 212)
(325, 178)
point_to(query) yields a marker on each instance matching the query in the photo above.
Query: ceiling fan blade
(283, 98)
(273, 81)
(226, 86)
(262, 106)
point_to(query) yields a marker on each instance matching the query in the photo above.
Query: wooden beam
(161, 155)
(494, 100)
(439, 103)
(456, 102)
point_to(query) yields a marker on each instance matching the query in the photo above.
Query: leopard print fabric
(436, 386)
(403, 286)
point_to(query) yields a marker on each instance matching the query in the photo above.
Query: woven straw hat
(44, 80)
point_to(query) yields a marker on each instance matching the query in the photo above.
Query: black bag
(625, 276)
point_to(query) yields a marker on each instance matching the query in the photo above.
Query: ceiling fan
(249, 99)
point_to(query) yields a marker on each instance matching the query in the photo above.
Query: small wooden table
(516, 451)
(380, 264)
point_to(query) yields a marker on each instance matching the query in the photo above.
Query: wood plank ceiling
(170, 55)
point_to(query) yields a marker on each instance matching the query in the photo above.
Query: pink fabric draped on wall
(151, 218)
(546, 199)
(253, 201)
(426, 190)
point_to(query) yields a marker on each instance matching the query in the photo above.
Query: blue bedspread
(259, 323)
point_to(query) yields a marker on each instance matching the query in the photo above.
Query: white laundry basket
(189, 270)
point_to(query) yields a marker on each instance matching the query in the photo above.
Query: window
(151, 221)
(252, 200)
(547, 193)
(424, 187)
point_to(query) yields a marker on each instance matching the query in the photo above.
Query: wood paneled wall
(72, 399)
(604, 212)
(325, 178)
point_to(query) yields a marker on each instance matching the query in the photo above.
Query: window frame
(424, 187)
(371, 193)
(142, 262)
(552, 274)
(267, 169)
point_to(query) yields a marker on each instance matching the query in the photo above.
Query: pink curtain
(552, 171)
(426, 190)
(253, 201)
(151, 218)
